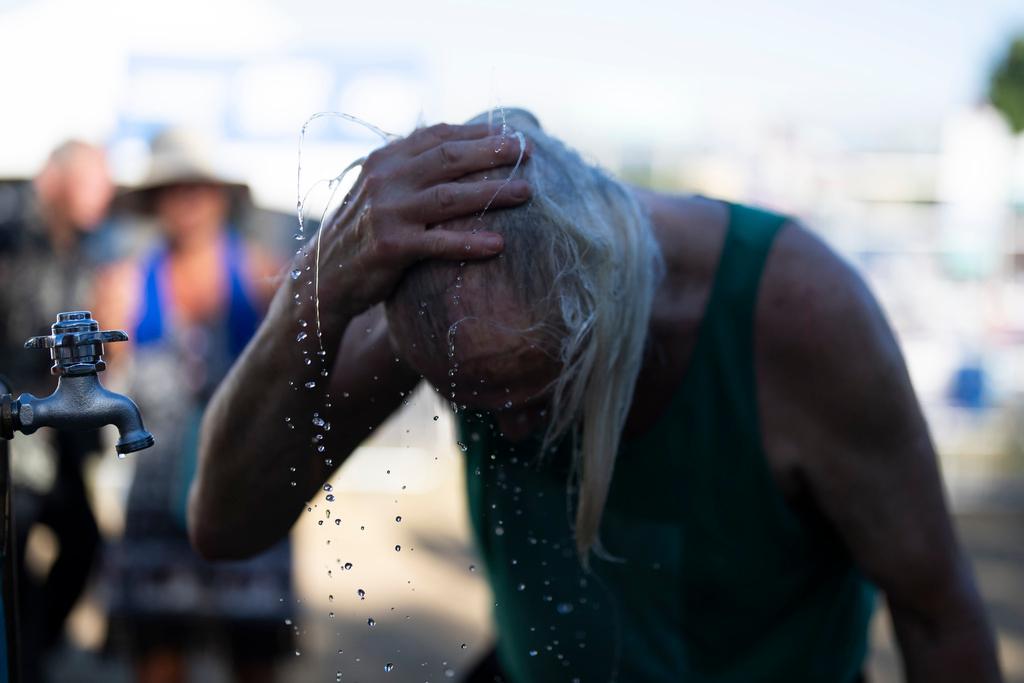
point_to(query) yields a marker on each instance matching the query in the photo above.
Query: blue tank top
(243, 317)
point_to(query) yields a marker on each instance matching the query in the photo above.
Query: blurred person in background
(50, 247)
(692, 447)
(189, 308)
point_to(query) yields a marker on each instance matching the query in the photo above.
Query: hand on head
(405, 189)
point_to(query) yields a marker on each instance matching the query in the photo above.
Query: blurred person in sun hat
(179, 157)
(189, 306)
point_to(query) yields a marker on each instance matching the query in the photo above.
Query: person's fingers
(456, 158)
(423, 139)
(457, 245)
(454, 200)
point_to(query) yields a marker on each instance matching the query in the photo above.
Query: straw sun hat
(177, 157)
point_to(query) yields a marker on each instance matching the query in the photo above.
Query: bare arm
(834, 377)
(243, 498)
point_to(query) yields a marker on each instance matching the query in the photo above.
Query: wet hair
(581, 258)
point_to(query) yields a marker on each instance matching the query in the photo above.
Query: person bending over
(692, 447)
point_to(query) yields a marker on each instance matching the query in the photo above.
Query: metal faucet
(80, 401)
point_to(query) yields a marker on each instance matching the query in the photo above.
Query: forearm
(255, 473)
(954, 644)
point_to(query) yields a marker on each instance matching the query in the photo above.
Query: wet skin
(386, 225)
(494, 367)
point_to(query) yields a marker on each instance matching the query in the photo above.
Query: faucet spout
(81, 402)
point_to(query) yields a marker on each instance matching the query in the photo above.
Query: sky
(875, 72)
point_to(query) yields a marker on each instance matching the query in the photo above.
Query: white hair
(582, 258)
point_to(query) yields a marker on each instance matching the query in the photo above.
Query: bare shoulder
(820, 328)
(838, 409)
(811, 300)
(833, 388)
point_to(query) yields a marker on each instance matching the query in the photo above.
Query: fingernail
(521, 191)
(492, 242)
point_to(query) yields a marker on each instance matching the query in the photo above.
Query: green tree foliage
(1006, 89)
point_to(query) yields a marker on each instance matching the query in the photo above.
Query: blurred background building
(892, 129)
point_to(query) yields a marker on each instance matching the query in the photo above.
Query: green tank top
(716, 579)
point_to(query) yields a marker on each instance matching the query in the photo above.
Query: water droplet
(449, 673)
(330, 497)
(398, 518)
(348, 565)
(370, 622)
(389, 666)
(533, 653)
(472, 567)
(499, 531)
(337, 522)
(521, 587)
(361, 593)
(462, 446)
(564, 608)
(508, 404)
(310, 384)
(301, 335)
(436, 418)
(398, 548)
(296, 273)
(463, 646)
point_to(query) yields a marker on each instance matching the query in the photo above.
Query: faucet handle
(76, 343)
(50, 341)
